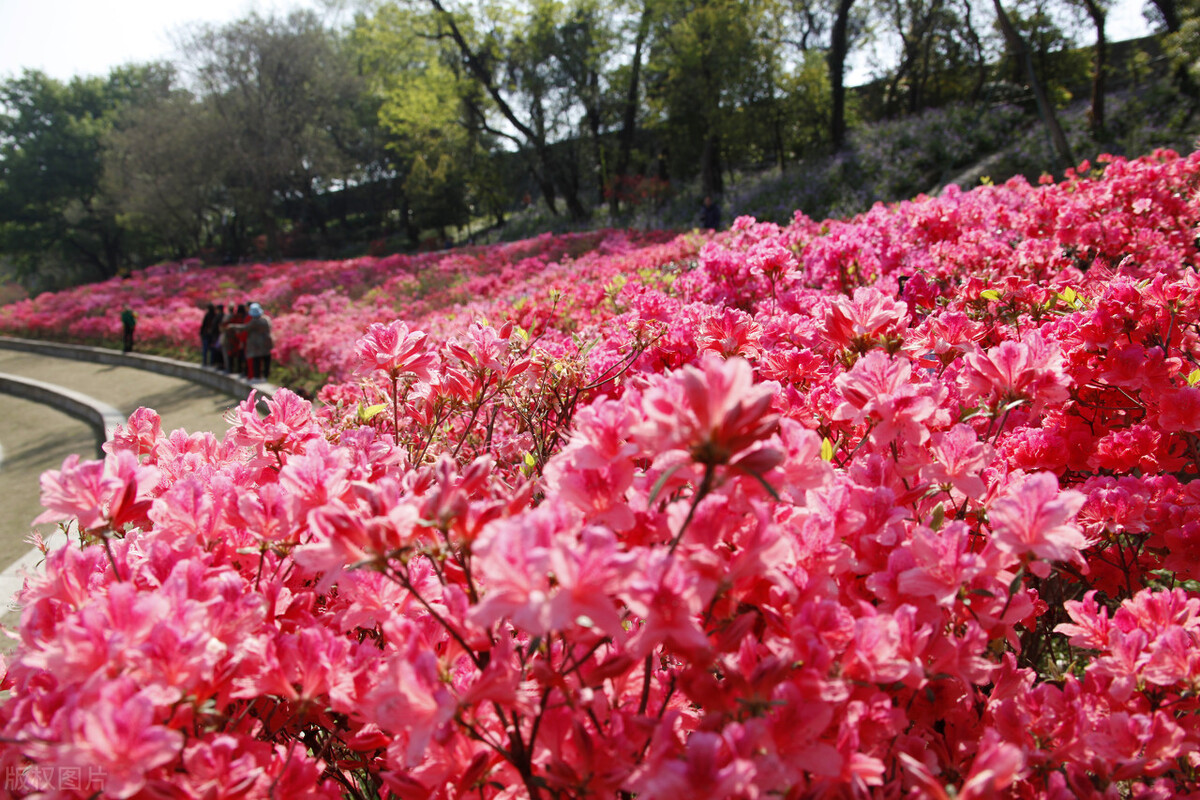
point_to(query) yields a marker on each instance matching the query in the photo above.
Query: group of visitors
(237, 340)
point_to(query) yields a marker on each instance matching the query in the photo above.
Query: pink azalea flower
(1030, 369)
(879, 390)
(113, 492)
(547, 574)
(714, 412)
(120, 732)
(1179, 410)
(865, 317)
(394, 350)
(959, 461)
(1034, 518)
(943, 563)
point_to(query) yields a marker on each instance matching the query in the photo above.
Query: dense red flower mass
(905, 505)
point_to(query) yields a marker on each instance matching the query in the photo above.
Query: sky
(89, 37)
(65, 38)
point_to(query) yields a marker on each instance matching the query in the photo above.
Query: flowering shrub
(898, 506)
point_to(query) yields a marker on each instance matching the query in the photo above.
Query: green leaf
(661, 482)
(368, 413)
(939, 516)
(1068, 296)
(990, 294)
(826, 449)
(1016, 581)
(529, 460)
(1194, 377)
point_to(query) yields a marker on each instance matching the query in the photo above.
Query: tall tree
(484, 57)
(282, 87)
(831, 28)
(1020, 52)
(939, 52)
(630, 102)
(705, 67)
(424, 107)
(579, 42)
(1097, 11)
(163, 169)
(54, 214)
(839, 50)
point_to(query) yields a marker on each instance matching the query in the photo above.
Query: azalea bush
(898, 506)
(319, 308)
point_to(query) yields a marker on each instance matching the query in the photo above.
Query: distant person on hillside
(128, 323)
(710, 214)
(210, 335)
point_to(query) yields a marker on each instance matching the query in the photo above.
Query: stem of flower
(705, 487)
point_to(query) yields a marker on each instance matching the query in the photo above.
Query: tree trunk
(710, 166)
(981, 66)
(1021, 52)
(1099, 66)
(839, 47)
(710, 156)
(629, 114)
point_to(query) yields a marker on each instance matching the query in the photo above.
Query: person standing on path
(228, 340)
(210, 332)
(258, 344)
(128, 323)
(257, 332)
(233, 342)
(218, 355)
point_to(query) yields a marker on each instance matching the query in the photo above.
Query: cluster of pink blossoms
(901, 506)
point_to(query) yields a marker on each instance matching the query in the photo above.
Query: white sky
(89, 37)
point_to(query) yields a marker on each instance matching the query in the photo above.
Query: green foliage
(1183, 46)
(284, 91)
(709, 60)
(55, 219)
(163, 170)
(437, 193)
(423, 105)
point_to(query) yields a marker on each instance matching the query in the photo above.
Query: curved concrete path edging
(100, 416)
(232, 385)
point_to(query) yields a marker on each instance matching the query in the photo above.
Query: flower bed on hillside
(898, 506)
(318, 308)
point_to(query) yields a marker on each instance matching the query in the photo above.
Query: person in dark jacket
(258, 344)
(710, 214)
(210, 335)
(128, 323)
